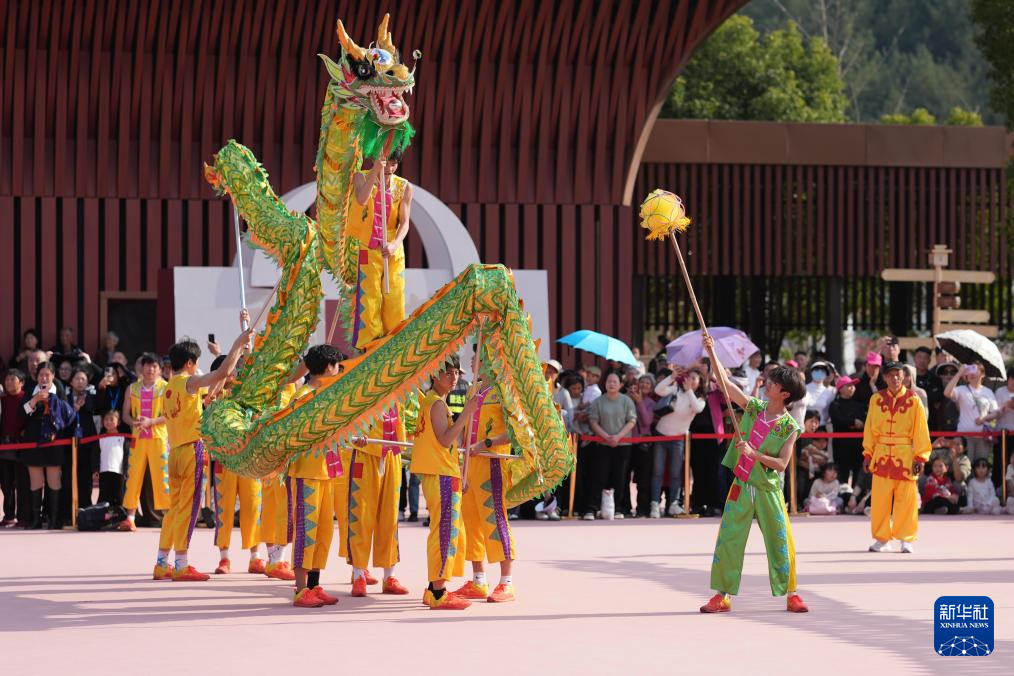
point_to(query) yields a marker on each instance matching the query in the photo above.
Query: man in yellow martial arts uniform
(142, 410)
(276, 518)
(896, 444)
(312, 504)
(484, 512)
(182, 407)
(435, 460)
(376, 312)
(370, 515)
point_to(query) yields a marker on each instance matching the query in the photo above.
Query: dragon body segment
(248, 431)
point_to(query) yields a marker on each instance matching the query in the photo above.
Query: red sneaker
(795, 604)
(127, 525)
(306, 598)
(256, 567)
(471, 590)
(392, 586)
(190, 574)
(370, 580)
(504, 593)
(280, 571)
(162, 573)
(448, 602)
(719, 603)
(324, 596)
(359, 586)
(224, 567)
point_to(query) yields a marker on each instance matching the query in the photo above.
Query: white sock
(223, 553)
(479, 578)
(275, 553)
(162, 559)
(357, 573)
(130, 517)
(254, 553)
(505, 579)
(388, 572)
(181, 560)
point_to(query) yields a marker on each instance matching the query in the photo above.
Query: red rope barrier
(812, 435)
(62, 442)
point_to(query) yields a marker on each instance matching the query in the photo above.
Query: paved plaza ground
(612, 598)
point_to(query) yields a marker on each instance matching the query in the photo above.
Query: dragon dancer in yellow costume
(376, 312)
(435, 460)
(312, 474)
(276, 517)
(369, 515)
(896, 445)
(488, 532)
(182, 406)
(142, 410)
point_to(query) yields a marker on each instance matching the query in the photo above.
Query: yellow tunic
(134, 392)
(428, 455)
(361, 215)
(896, 434)
(150, 449)
(182, 412)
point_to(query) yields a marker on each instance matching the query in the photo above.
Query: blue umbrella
(600, 344)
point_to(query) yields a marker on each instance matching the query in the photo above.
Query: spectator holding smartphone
(976, 403)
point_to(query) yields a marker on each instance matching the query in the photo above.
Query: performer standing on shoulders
(377, 313)
(756, 490)
(896, 445)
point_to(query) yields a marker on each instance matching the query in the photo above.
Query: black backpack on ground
(100, 517)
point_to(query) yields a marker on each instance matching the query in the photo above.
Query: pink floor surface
(613, 598)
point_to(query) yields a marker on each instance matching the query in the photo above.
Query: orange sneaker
(392, 586)
(427, 597)
(224, 567)
(719, 603)
(127, 526)
(359, 586)
(162, 573)
(306, 598)
(448, 602)
(503, 593)
(795, 604)
(256, 567)
(370, 580)
(324, 596)
(280, 571)
(470, 590)
(190, 574)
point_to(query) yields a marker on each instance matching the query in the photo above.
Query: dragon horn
(384, 36)
(350, 47)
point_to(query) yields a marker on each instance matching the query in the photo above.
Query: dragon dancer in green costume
(770, 435)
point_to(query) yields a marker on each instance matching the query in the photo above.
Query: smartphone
(211, 337)
(972, 368)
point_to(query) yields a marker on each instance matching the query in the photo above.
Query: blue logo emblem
(963, 626)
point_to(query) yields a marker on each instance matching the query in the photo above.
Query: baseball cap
(892, 365)
(556, 365)
(874, 358)
(843, 381)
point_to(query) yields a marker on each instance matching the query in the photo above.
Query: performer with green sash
(770, 437)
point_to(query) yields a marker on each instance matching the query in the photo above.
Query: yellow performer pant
(341, 502)
(186, 477)
(378, 313)
(313, 522)
(225, 486)
(894, 509)
(152, 454)
(445, 544)
(484, 513)
(370, 513)
(276, 519)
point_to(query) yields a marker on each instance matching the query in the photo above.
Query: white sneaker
(588, 517)
(907, 548)
(675, 509)
(542, 516)
(879, 546)
(653, 511)
(619, 515)
(1010, 504)
(553, 515)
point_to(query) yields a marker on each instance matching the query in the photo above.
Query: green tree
(995, 21)
(737, 75)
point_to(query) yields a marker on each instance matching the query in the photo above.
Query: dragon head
(373, 78)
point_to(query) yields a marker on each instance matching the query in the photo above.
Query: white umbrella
(967, 346)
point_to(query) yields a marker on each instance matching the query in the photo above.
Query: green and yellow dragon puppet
(248, 430)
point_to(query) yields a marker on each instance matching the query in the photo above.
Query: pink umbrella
(732, 347)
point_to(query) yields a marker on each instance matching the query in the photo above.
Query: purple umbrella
(732, 347)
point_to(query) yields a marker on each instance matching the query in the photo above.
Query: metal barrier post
(73, 482)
